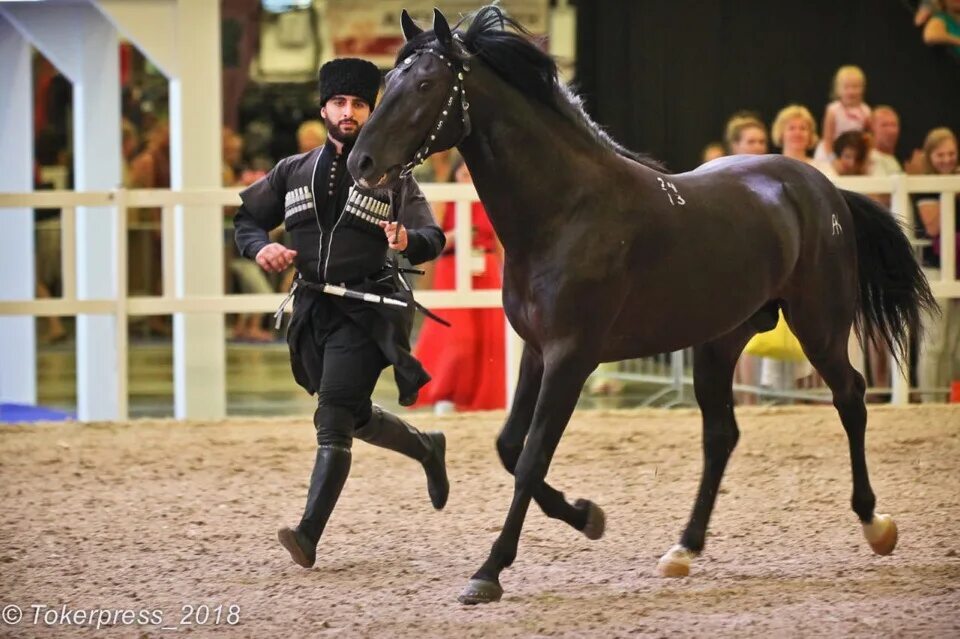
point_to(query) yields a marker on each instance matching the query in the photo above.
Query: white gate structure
(81, 38)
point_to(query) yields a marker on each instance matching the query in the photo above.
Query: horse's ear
(441, 29)
(410, 29)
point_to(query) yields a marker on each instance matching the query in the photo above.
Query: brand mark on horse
(675, 197)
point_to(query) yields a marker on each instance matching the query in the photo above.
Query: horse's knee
(509, 451)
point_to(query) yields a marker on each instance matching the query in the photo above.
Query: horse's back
(728, 236)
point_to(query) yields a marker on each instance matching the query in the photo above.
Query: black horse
(608, 257)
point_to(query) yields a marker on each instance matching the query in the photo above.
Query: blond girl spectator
(848, 111)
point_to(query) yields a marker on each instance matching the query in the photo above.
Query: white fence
(122, 306)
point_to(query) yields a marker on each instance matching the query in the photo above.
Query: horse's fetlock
(863, 506)
(505, 552)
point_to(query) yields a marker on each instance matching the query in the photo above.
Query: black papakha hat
(349, 76)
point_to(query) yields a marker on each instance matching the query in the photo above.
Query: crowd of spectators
(861, 141)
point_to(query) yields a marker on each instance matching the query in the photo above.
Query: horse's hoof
(676, 562)
(596, 519)
(480, 591)
(881, 534)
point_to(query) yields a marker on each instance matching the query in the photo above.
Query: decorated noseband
(458, 89)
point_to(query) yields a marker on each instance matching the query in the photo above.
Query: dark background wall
(664, 75)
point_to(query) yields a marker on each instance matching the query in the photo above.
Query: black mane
(514, 56)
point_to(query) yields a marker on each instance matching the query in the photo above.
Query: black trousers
(352, 363)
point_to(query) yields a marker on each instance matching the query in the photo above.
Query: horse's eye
(424, 85)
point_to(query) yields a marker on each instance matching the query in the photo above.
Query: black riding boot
(330, 472)
(386, 430)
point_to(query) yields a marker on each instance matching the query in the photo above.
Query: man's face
(886, 127)
(344, 115)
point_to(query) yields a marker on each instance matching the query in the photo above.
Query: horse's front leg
(563, 378)
(583, 515)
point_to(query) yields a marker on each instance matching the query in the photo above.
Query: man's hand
(275, 257)
(397, 241)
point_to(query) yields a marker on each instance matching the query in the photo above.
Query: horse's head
(423, 110)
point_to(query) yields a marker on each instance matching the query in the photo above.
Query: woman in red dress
(466, 360)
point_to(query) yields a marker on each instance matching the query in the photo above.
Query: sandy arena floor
(155, 516)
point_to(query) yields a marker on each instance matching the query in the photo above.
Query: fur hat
(349, 76)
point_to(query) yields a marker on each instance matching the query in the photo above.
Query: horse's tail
(894, 292)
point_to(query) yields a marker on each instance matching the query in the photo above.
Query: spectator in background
(885, 123)
(467, 359)
(847, 112)
(851, 150)
(310, 135)
(712, 151)
(939, 360)
(249, 277)
(925, 9)
(881, 161)
(746, 134)
(886, 132)
(129, 146)
(232, 156)
(150, 169)
(438, 168)
(795, 132)
(51, 172)
(943, 27)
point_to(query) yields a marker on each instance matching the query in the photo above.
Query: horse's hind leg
(848, 387)
(584, 515)
(713, 365)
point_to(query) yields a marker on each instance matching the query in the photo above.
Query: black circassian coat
(308, 193)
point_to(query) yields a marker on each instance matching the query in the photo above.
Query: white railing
(462, 296)
(123, 305)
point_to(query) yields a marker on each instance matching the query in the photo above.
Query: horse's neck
(526, 160)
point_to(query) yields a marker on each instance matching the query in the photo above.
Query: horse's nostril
(365, 164)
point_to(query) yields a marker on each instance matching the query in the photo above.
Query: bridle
(459, 73)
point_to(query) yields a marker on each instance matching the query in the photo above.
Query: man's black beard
(333, 130)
